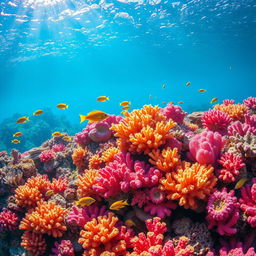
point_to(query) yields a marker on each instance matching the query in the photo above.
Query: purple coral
(174, 112)
(223, 211)
(64, 248)
(206, 147)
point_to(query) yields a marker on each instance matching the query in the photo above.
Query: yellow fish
(213, 100)
(240, 183)
(188, 83)
(129, 223)
(202, 90)
(163, 86)
(22, 119)
(94, 116)
(126, 107)
(125, 103)
(15, 141)
(17, 134)
(118, 205)
(38, 112)
(180, 102)
(67, 138)
(62, 106)
(56, 134)
(102, 98)
(85, 201)
(49, 192)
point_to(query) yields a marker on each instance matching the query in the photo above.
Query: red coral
(58, 147)
(47, 156)
(228, 102)
(8, 220)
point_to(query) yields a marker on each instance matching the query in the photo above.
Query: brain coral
(143, 130)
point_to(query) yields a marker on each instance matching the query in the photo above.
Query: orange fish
(94, 116)
(17, 134)
(102, 98)
(38, 112)
(62, 106)
(202, 90)
(22, 120)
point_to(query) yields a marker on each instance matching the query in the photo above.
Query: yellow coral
(109, 154)
(164, 160)
(143, 130)
(78, 157)
(189, 183)
(235, 111)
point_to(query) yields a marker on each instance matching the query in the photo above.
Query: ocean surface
(72, 51)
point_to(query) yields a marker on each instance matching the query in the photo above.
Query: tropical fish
(17, 134)
(15, 141)
(240, 183)
(180, 102)
(170, 102)
(62, 106)
(129, 223)
(163, 86)
(126, 107)
(94, 116)
(118, 205)
(38, 112)
(85, 201)
(50, 192)
(125, 103)
(56, 134)
(213, 100)
(102, 98)
(67, 138)
(188, 83)
(202, 90)
(22, 119)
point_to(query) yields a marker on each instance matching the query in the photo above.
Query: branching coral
(79, 157)
(40, 182)
(59, 185)
(64, 248)
(143, 130)
(241, 129)
(250, 102)
(8, 220)
(223, 211)
(95, 162)
(189, 183)
(47, 218)
(174, 112)
(109, 154)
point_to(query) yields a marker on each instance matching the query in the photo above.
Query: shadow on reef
(35, 132)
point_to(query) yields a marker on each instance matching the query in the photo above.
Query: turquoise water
(74, 51)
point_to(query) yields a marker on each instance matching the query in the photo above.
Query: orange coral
(47, 218)
(166, 159)
(189, 183)
(98, 231)
(95, 162)
(109, 155)
(78, 157)
(191, 126)
(143, 130)
(27, 197)
(85, 183)
(235, 111)
(59, 185)
(40, 182)
(35, 244)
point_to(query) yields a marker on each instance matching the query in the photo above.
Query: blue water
(72, 51)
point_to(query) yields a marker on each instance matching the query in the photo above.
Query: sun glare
(41, 3)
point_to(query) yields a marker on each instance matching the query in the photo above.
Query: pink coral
(64, 248)
(241, 129)
(215, 120)
(47, 156)
(250, 102)
(8, 220)
(58, 147)
(223, 211)
(160, 210)
(206, 147)
(248, 202)
(228, 102)
(238, 251)
(125, 174)
(174, 112)
(250, 119)
(232, 163)
(139, 198)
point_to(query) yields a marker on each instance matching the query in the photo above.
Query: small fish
(202, 90)
(125, 103)
(240, 183)
(188, 83)
(126, 107)
(15, 141)
(129, 223)
(118, 205)
(171, 102)
(163, 86)
(56, 134)
(62, 106)
(180, 102)
(67, 138)
(94, 116)
(22, 120)
(213, 100)
(85, 201)
(49, 192)
(38, 112)
(102, 98)
(17, 134)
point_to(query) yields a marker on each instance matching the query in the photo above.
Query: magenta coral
(250, 119)
(250, 102)
(174, 112)
(232, 163)
(228, 102)
(223, 212)
(100, 132)
(64, 248)
(160, 210)
(47, 156)
(215, 120)
(8, 220)
(248, 202)
(238, 251)
(206, 147)
(241, 129)
(58, 147)
(125, 174)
